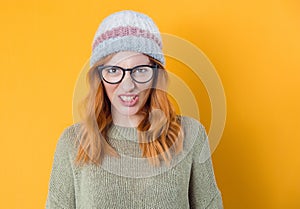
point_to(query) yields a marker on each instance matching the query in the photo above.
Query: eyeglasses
(115, 74)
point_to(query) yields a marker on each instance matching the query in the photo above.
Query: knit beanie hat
(127, 31)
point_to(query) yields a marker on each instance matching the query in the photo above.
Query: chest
(164, 188)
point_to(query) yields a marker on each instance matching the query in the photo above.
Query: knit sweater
(130, 181)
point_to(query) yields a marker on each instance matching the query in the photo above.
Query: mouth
(129, 100)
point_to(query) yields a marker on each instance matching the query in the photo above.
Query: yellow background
(254, 46)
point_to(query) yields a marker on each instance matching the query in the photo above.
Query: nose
(127, 83)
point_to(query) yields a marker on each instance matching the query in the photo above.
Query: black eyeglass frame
(154, 67)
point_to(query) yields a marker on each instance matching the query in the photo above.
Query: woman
(131, 150)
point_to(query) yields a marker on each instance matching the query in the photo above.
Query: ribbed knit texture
(127, 31)
(130, 181)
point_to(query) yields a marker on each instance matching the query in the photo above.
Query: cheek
(110, 90)
(145, 90)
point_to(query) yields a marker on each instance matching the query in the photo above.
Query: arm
(61, 194)
(203, 190)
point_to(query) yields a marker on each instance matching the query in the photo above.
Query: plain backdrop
(254, 46)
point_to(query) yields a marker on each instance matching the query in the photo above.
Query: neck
(126, 120)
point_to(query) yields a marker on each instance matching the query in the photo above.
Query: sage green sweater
(130, 181)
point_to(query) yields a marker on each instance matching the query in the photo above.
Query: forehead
(128, 58)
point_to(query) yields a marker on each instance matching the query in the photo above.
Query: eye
(113, 70)
(141, 70)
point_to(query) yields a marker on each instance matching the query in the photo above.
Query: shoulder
(195, 136)
(192, 127)
(71, 132)
(68, 138)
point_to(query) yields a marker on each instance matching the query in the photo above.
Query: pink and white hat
(127, 31)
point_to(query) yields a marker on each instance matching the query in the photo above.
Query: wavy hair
(159, 131)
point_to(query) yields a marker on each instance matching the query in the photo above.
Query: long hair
(159, 131)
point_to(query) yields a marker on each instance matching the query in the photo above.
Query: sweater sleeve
(61, 194)
(203, 189)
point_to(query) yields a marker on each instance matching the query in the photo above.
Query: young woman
(131, 150)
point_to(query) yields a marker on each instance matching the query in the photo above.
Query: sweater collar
(122, 133)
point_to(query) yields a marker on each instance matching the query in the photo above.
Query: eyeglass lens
(115, 74)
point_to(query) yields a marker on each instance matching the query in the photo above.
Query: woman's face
(128, 96)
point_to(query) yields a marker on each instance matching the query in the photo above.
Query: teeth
(127, 98)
